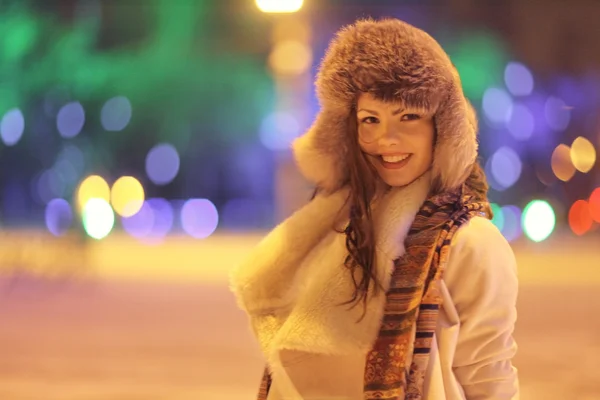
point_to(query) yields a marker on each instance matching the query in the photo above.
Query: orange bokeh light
(595, 205)
(561, 163)
(580, 218)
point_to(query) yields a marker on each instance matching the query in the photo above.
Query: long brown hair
(360, 235)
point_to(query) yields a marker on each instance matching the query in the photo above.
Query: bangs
(420, 105)
(419, 100)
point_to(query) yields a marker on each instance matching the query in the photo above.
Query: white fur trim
(292, 283)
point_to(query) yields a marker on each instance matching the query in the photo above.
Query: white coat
(473, 347)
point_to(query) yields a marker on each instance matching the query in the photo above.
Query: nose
(390, 136)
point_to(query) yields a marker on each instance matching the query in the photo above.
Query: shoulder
(479, 232)
(480, 257)
(480, 239)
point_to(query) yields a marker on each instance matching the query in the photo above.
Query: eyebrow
(396, 112)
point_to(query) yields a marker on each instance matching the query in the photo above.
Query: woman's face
(397, 141)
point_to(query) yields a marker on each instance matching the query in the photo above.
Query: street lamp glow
(279, 6)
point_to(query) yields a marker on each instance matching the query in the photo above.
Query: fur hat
(392, 60)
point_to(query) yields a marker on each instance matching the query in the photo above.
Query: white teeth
(394, 159)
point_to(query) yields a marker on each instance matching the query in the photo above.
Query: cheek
(367, 147)
(430, 145)
(427, 140)
(372, 159)
(368, 133)
(367, 155)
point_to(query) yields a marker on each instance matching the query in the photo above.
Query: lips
(394, 161)
(395, 158)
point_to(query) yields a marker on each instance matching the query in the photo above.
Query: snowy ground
(135, 332)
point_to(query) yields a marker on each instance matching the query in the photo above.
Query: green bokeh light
(98, 218)
(538, 220)
(498, 218)
(480, 59)
(167, 65)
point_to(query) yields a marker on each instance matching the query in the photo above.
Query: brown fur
(394, 61)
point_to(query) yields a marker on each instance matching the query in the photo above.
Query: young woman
(392, 283)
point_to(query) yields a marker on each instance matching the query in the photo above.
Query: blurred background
(145, 149)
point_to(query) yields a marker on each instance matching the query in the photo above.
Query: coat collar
(293, 282)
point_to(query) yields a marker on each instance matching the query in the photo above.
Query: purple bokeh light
(59, 216)
(199, 218)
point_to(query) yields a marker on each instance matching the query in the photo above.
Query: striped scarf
(414, 296)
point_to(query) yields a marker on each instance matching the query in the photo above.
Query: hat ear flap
(321, 153)
(456, 145)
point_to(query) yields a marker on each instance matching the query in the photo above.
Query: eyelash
(365, 120)
(414, 117)
(411, 117)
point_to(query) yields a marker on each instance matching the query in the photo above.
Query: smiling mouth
(395, 161)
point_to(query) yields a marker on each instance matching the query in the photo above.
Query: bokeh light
(127, 196)
(522, 123)
(279, 6)
(64, 175)
(498, 218)
(580, 218)
(92, 187)
(544, 173)
(116, 114)
(506, 168)
(504, 91)
(54, 99)
(497, 105)
(539, 220)
(140, 224)
(98, 218)
(573, 91)
(153, 221)
(162, 164)
(12, 127)
(536, 104)
(518, 79)
(58, 216)
(164, 217)
(199, 218)
(512, 222)
(70, 120)
(583, 154)
(74, 156)
(557, 114)
(49, 185)
(66, 172)
(286, 29)
(278, 130)
(480, 58)
(594, 203)
(561, 163)
(290, 57)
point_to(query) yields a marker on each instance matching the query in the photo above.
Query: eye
(410, 117)
(369, 120)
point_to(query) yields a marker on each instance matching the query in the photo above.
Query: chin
(398, 179)
(398, 182)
